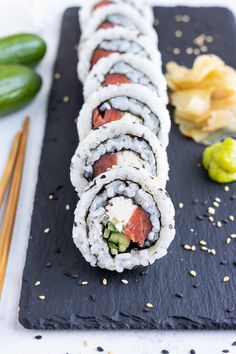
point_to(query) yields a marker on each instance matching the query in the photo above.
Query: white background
(44, 17)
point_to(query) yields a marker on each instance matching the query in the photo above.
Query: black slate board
(207, 302)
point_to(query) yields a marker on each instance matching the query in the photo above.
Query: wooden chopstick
(9, 167)
(10, 212)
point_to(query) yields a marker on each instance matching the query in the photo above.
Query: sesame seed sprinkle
(219, 224)
(203, 243)
(51, 196)
(124, 281)
(228, 240)
(226, 188)
(231, 218)
(84, 283)
(193, 273)
(216, 204)
(149, 305)
(104, 281)
(66, 99)
(211, 219)
(67, 207)
(42, 297)
(211, 211)
(181, 205)
(233, 236)
(203, 248)
(226, 278)
(218, 200)
(178, 34)
(37, 283)
(47, 230)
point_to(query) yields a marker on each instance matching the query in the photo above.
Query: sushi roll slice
(115, 40)
(124, 219)
(120, 15)
(125, 69)
(91, 6)
(129, 144)
(128, 103)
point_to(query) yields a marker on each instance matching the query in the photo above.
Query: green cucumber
(18, 86)
(22, 48)
(111, 226)
(106, 233)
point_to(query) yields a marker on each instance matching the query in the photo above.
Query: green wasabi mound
(220, 161)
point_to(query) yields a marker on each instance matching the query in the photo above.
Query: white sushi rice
(122, 15)
(119, 137)
(89, 218)
(139, 70)
(149, 108)
(142, 7)
(120, 40)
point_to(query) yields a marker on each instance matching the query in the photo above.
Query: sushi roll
(124, 219)
(115, 40)
(118, 144)
(128, 103)
(91, 6)
(125, 69)
(121, 15)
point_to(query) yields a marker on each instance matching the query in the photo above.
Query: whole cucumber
(18, 85)
(22, 48)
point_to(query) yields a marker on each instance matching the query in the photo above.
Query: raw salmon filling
(123, 150)
(108, 47)
(125, 215)
(118, 108)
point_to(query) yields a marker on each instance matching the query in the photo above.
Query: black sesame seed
(164, 351)
(67, 273)
(75, 275)
(225, 351)
(100, 349)
(103, 176)
(49, 265)
(75, 224)
(196, 201)
(59, 186)
(230, 309)
(234, 344)
(192, 351)
(38, 337)
(179, 295)
(196, 285)
(233, 197)
(199, 217)
(224, 262)
(57, 250)
(225, 221)
(93, 297)
(235, 263)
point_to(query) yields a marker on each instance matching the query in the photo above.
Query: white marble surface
(44, 17)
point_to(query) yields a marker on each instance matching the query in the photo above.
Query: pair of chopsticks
(12, 177)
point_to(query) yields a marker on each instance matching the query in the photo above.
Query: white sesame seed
(228, 240)
(211, 211)
(233, 236)
(213, 251)
(193, 273)
(231, 218)
(203, 243)
(42, 297)
(124, 281)
(178, 34)
(67, 207)
(176, 51)
(47, 230)
(84, 283)
(226, 278)
(226, 188)
(104, 281)
(181, 205)
(37, 283)
(218, 200)
(191, 230)
(50, 197)
(193, 248)
(186, 18)
(219, 224)
(216, 204)
(57, 76)
(189, 51)
(211, 219)
(187, 247)
(149, 305)
(204, 248)
(66, 99)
